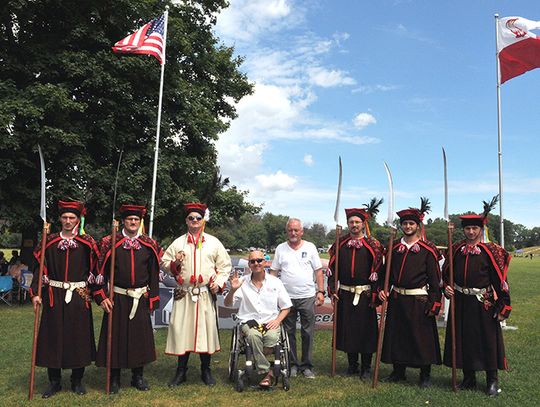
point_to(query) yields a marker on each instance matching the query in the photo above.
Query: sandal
(268, 380)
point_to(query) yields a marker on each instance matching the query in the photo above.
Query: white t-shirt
(264, 304)
(297, 267)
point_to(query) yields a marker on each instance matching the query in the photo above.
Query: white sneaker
(308, 374)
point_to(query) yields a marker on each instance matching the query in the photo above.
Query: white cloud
(279, 181)
(368, 89)
(327, 78)
(245, 20)
(363, 120)
(308, 160)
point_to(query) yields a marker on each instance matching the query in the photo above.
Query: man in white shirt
(264, 304)
(301, 274)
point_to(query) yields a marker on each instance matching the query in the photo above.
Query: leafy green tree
(275, 229)
(61, 86)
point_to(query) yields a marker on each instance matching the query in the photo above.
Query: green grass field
(519, 385)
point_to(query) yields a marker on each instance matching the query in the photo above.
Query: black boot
(425, 376)
(76, 381)
(353, 364)
(181, 370)
(137, 379)
(54, 387)
(115, 381)
(206, 373)
(492, 383)
(54, 383)
(365, 368)
(469, 380)
(397, 375)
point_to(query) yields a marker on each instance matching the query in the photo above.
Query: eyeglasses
(253, 261)
(194, 217)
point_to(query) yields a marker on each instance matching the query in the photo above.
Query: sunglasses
(194, 218)
(253, 261)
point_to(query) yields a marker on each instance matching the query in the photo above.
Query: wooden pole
(37, 309)
(335, 301)
(111, 298)
(452, 304)
(382, 322)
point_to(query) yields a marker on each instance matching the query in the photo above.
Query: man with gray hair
(298, 264)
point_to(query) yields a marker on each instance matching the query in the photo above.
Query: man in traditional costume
(136, 295)
(201, 266)
(360, 257)
(411, 338)
(482, 300)
(66, 332)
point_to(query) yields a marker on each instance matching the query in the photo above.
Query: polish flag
(518, 48)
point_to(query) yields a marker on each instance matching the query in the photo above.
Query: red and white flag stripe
(144, 42)
(518, 48)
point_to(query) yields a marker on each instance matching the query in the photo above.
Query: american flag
(148, 40)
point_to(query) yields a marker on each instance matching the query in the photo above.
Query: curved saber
(446, 217)
(43, 209)
(116, 182)
(390, 218)
(338, 198)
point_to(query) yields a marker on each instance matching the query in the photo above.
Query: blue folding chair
(6, 286)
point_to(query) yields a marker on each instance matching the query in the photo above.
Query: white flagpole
(156, 152)
(499, 131)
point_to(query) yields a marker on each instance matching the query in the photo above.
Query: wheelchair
(247, 374)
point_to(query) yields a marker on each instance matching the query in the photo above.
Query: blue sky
(375, 81)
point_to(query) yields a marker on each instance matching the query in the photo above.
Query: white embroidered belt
(478, 292)
(69, 286)
(411, 291)
(356, 289)
(134, 293)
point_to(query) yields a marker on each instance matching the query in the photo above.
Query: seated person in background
(264, 304)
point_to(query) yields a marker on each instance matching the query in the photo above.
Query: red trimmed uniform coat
(479, 339)
(66, 331)
(356, 330)
(411, 336)
(132, 340)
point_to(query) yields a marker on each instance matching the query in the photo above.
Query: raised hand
(236, 282)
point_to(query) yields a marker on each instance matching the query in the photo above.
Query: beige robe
(193, 324)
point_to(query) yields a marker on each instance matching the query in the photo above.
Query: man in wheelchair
(264, 303)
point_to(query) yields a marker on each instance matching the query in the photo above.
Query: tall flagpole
(499, 129)
(156, 152)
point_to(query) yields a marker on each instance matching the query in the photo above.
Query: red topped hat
(71, 206)
(200, 208)
(132, 210)
(473, 220)
(413, 214)
(479, 220)
(360, 212)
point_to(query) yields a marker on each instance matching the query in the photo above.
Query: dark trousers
(352, 357)
(306, 308)
(135, 372)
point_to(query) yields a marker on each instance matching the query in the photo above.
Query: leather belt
(69, 286)
(357, 290)
(134, 293)
(411, 291)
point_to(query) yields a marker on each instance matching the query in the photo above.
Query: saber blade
(338, 198)
(116, 182)
(43, 208)
(390, 218)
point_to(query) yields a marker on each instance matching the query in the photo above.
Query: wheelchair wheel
(285, 356)
(233, 355)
